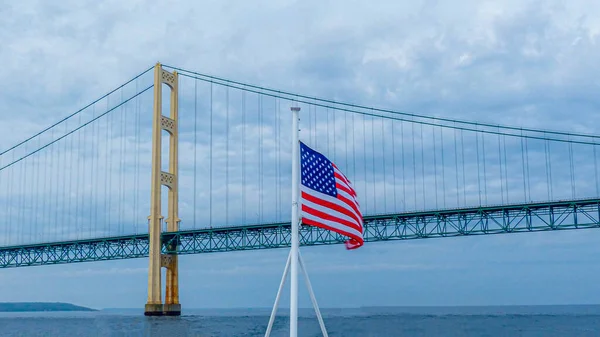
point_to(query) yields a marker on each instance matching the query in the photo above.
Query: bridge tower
(154, 306)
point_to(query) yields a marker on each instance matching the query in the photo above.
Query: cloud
(522, 63)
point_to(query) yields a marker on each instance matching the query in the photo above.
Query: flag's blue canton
(317, 171)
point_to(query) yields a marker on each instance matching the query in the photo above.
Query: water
(561, 321)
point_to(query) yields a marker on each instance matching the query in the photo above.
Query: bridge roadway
(516, 218)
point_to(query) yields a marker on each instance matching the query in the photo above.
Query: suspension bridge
(91, 186)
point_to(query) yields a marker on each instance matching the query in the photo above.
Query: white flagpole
(295, 225)
(276, 305)
(312, 296)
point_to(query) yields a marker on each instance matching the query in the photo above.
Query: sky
(523, 63)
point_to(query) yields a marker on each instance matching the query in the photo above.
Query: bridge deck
(530, 217)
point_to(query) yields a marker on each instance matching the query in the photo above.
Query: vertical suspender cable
(67, 210)
(244, 157)
(365, 161)
(33, 188)
(260, 152)
(316, 125)
(227, 156)
(123, 121)
(484, 169)
(33, 180)
(523, 160)
(9, 202)
(478, 170)
(505, 167)
(403, 166)
(92, 145)
(353, 133)
(346, 139)
(414, 157)
(596, 170)
(22, 190)
(327, 132)
(133, 155)
(137, 159)
(464, 179)
(527, 165)
(36, 191)
(96, 141)
(443, 168)
(77, 186)
(81, 175)
(90, 182)
(277, 168)
(85, 197)
(276, 140)
(373, 157)
(550, 171)
(456, 169)
(195, 150)
(105, 211)
(423, 166)
(547, 162)
(548, 183)
(572, 167)
(9, 180)
(24, 175)
(57, 195)
(334, 137)
(85, 218)
(107, 191)
(28, 182)
(310, 122)
(48, 192)
(13, 190)
(23, 194)
(45, 195)
(395, 206)
(210, 174)
(129, 155)
(383, 154)
(16, 201)
(500, 166)
(19, 208)
(435, 180)
(139, 163)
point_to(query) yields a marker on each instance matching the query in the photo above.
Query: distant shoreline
(40, 306)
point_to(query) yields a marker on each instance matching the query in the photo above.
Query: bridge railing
(517, 218)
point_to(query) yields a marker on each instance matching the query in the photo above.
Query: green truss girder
(532, 217)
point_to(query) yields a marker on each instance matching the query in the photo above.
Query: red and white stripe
(341, 215)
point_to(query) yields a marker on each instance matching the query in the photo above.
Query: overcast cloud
(521, 63)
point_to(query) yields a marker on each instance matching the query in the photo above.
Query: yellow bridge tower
(154, 306)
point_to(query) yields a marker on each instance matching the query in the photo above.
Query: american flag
(328, 199)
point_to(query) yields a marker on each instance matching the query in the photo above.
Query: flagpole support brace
(276, 305)
(312, 296)
(310, 291)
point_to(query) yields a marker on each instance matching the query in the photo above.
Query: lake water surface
(557, 321)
